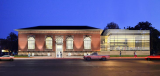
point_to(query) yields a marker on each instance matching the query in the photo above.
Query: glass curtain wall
(126, 40)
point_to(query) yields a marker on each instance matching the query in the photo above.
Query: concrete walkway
(80, 57)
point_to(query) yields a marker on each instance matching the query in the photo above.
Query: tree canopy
(111, 25)
(11, 42)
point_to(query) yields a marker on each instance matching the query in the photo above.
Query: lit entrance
(59, 47)
(59, 50)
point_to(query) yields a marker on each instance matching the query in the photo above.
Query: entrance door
(59, 50)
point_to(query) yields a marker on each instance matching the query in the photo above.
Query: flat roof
(123, 31)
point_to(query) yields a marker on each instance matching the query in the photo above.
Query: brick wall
(40, 40)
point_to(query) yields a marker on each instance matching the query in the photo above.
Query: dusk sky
(15, 14)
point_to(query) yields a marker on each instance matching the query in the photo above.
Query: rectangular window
(87, 44)
(31, 45)
(69, 44)
(49, 44)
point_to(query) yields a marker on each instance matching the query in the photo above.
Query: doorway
(59, 51)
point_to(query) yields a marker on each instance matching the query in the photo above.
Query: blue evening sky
(15, 14)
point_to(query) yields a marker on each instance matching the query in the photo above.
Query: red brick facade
(78, 39)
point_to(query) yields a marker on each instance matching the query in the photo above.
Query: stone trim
(48, 49)
(30, 50)
(87, 49)
(37, 53)
(69, 50)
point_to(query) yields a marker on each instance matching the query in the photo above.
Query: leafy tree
(12, 42)
(111, 25)
(154, 40)
(144, 26)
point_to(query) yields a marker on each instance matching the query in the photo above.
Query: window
(31, 43)
(59, 40)
(48, 43)
(69, 43)
(87, 43)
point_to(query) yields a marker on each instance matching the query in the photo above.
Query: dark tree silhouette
(111, 25)
(144, 26)
(12, 42)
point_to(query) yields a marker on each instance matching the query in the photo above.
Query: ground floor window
(31, 43)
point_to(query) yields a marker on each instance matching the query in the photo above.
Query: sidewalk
(77, 57)
(127, 58)
(48, 57)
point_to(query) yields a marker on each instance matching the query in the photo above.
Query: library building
(65, 41)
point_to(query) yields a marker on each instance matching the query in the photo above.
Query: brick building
(58, 41)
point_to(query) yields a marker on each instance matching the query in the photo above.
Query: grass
(19, 56)
(128, 55)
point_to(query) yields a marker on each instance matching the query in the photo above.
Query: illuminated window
(69, 43)
(48, 43)
(31, 43)
(59, 40)
(87, 43)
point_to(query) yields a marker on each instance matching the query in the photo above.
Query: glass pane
(48, 43)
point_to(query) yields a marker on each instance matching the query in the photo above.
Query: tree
(154, 40)
(12, 42)
(144, 26)
(154, 34)
(111, 25)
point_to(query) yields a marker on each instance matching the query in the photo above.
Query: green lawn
(19, 56)
(128, 55)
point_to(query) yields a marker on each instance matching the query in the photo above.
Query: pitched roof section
(59, 28)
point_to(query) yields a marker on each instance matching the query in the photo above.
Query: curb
(49, 58)
(127, 57)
